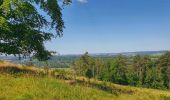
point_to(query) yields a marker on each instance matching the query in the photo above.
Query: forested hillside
(143, 71)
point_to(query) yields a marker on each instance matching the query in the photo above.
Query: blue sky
(103, 26)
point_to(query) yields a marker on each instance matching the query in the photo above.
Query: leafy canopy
(22, 27)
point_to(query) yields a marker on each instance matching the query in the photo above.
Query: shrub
(89, 73)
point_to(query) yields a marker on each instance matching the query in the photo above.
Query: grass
(31, 87)
(7, 67)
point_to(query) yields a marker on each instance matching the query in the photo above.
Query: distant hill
(97, 54)
(132, 53)
(64, 61)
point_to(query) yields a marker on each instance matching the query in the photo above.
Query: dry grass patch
(11, 68)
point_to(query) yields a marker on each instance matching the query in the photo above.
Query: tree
(119, 70)
(83, 63)
(105, 73)
(164, 65)
(115, 70)
(89, 73)
(154, 78)
(98, 67)
(140, 67)
(22, 26)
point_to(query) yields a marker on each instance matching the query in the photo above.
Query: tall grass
(34, 87)
(46, 88)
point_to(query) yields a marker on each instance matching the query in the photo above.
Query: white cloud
(82, 1)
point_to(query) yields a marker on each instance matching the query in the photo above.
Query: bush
(89, 73)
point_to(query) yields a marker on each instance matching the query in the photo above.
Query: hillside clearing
(28, 87)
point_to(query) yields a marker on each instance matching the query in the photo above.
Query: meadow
(28, 86)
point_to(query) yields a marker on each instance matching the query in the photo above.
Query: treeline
(143, 71)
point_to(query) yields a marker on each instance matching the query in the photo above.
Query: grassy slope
(35, 88)
(32, 88)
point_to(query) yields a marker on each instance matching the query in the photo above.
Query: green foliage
(89, 73)
(119, 70)
(105, 73)
(140, 67)
(132, 78)
(115, 71)
(87, 62)
(154, 79)
(22, 26)
(83, 63)
(164, 65)
(136, 71)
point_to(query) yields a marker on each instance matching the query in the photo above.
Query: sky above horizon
(111, 26)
